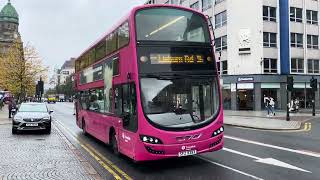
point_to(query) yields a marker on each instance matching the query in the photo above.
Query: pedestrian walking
(271, 104)
(12, 105)
(266, 101)
(1, 104)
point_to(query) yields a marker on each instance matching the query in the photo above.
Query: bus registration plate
(187, 153)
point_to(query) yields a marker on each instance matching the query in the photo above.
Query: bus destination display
(176, 59)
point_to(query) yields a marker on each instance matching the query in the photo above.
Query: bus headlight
(218, 131)
(150, 139)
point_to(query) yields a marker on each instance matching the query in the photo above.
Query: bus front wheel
(114, 143)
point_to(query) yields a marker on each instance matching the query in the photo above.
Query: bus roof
(131, 13)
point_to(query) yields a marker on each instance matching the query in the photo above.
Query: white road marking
(273, 146)
(230, 168)
(269, 161)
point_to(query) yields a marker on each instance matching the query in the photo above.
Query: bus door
(125, 106)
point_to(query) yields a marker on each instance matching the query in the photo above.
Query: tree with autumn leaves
(20, 68)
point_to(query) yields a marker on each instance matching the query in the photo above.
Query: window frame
(219, 45)
(208, 4)
(218, 18)
(293, 14)
(311, 39)
(294, 40)
(270, 69)
(312, 69)
(268, 43)
(268, 17)
(297, 69)
(310, 20)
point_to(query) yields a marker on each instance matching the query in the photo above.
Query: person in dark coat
(12, 105)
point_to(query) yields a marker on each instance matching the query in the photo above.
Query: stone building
(9, 27)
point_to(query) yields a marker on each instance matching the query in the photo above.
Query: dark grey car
(32, 116)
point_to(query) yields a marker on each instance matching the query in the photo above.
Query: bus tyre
(114, 144)
(84, 128)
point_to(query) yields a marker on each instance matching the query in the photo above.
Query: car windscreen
(33, 108)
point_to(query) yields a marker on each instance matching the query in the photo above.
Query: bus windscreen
(170, 24)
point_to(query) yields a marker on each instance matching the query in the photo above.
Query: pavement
(4, 116)
(259, 120)
(247, 154)
(35, 155)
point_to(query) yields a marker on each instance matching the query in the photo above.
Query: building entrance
(245, 99)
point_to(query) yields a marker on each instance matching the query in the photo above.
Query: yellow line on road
(98, 155)
(110, 163)
(306, 128)
(105, 166)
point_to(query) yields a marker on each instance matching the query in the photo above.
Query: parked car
(32, 116)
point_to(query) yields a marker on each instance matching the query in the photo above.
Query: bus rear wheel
(114, 144)
(84, 128)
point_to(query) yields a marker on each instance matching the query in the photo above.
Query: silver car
(32, 116)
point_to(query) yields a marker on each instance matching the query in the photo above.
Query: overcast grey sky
(60, 29)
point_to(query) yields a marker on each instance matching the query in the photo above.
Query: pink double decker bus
(150, 87)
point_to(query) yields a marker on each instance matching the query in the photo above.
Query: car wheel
(14, 131)
(48, 130)
(114, 144)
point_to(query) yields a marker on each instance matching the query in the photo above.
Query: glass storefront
(245, 96)
(299, 94)
(270, 90)
(226, 96)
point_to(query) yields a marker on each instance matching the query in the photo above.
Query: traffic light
(314, 84)
(40, 86)
(290, 83)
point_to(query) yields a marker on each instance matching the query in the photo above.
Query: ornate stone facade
(9, 25)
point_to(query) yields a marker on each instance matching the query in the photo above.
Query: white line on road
(230, 168)
(270, 161)
(273, 146)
